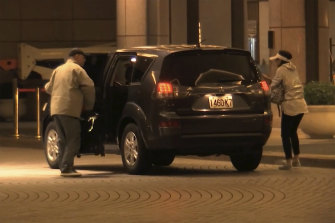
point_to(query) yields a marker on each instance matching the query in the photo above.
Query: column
(158, 22)
(287, 21)
(323, 40)
(239, 20)
(263, 34)
(178, 21)
(131, 23)
(215, 19)
(301, 27)
(192, 21)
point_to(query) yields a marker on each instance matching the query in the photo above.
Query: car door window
(130, 69)
(140, 67)
(122, 71)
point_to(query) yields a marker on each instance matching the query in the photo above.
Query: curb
(307, 160)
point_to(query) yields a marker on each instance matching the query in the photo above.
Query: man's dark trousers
(69, 133)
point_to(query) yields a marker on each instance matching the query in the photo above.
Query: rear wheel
(247, 161)
(51, 145)
(163, 158)
(135, 157)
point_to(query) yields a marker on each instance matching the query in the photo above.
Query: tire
(135, 157)
(51, 145)
(163, 158)
(247, 161)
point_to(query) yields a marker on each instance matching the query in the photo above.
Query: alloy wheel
(131, 148)
(52, 145)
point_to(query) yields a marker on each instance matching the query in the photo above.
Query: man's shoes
(70, 173)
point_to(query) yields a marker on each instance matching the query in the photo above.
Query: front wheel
(135, 157)
(247, 161)
(52, 146)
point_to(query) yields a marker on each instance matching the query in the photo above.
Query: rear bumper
(210, 144)
(209, 135)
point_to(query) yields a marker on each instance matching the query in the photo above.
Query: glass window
(130, 69)
(122, 71)
(186, 67)
(140, 67)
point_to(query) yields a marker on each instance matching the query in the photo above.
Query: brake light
(164, 89)
(265, 86)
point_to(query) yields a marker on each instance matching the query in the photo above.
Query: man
(72, 91)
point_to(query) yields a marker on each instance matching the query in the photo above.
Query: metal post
(16, 108)
(38, 134)
(331, 59)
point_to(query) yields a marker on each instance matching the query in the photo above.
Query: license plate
(221, 102)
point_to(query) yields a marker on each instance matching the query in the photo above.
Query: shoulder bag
(278, 94)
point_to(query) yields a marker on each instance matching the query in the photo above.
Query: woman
(293, 107)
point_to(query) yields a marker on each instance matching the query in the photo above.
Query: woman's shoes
(287, 165)
(296, 162)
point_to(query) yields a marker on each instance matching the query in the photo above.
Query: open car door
(92, 134)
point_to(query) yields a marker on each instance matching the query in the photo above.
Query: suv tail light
(164, 89)
(265, 86)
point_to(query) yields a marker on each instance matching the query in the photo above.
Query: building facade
(303, 27)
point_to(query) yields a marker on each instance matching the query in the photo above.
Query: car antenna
(200, 41)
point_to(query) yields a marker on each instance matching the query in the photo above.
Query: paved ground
(191, 190)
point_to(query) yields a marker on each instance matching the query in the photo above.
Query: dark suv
(158, 101)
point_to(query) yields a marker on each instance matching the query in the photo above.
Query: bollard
(38, 115)
(16, 108)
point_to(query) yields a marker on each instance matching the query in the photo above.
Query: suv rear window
(185, 67)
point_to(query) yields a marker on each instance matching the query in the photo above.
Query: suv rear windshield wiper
(217, 76)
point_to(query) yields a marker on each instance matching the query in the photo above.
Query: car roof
(163, 50)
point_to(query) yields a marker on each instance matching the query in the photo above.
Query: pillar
(239, 20)
(301, 27)
(158, 22)
(215, 19)
(178, 21)
(323, 41)
(287, 21)
(131, 23)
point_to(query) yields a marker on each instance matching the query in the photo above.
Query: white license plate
(221, 102)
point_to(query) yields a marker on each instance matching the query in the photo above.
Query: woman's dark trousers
(289, 127)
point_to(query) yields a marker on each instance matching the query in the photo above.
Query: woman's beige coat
(294, 102)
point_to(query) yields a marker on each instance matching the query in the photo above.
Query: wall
(55, 23)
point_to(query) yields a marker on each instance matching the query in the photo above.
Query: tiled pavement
(191, 190)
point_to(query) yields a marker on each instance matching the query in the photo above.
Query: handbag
(278, 94)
